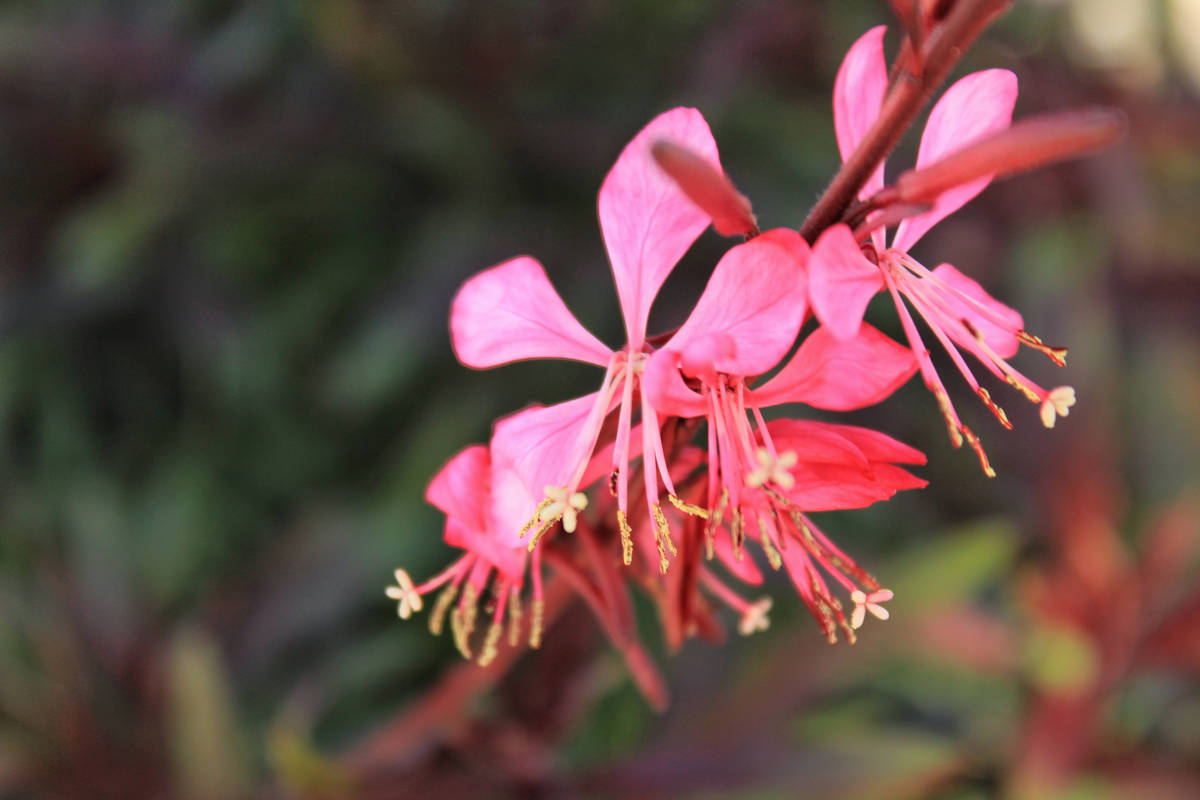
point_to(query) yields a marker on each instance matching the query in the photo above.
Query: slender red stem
(914, 85)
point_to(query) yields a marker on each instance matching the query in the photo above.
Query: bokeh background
(229, 235)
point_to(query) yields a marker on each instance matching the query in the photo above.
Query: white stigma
(755, 618)
(1057, 404)
(773, 470)
(564, 506)
(869, 602)
(405, 594)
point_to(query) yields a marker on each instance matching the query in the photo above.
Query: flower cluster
(669, 476)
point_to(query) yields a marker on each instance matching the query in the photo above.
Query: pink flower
(743, 325)
(511, 312)
(462, 489)
(961, 314)
(825, 467)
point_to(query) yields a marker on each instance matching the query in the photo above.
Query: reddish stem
(939, 54)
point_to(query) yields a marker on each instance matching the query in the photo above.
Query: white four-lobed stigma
(563, 505)
(754, 618)
(773, 470)
(868, 602)
(408, 600)
(1057, 404)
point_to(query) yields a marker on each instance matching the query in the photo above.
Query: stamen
(975, 444)
(514, 618)
(714, 522)
(960, 432)
(1056, 354)
(541, 532)
(536, 518)
(952, 423)
(437, 617)
(535, 630)
(1020, 386)
(738, 533)
(626, 538)
(991, 404)
(495, 630)
(462, 620)
(662, 537)
(687, 508)
(768, 548)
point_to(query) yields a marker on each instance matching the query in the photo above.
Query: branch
(941, 51)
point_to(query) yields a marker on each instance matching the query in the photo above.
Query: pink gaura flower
(708, 367)
(462, 490)
(825, 467)
(843, 275)
(511, 312)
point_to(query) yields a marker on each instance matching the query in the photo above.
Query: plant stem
(940, 52)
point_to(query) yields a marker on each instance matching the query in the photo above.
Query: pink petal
(648, 222)
(663, 385)
(745, 569)
(858, 97)
(511, 312)
(542, 444)
(977, 105)
(875, 446)
(829, 487)
(840, 376)
(461, 488)
(897, 478)
(509, 560)
(841, 281)
(751, 310)
(996, 322)
(816, 442)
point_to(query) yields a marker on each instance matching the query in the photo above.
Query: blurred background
(229, 235)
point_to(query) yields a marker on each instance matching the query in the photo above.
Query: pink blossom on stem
(960, 313)
(511, 312)
(463, 490)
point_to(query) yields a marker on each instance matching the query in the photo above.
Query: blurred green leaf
(206, 742)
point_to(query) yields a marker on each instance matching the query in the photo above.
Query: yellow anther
(1022, 387)
(714, 522)
(947, 410)
(535, 630)
(975, 444)
(540, 533)
(986, 397)
(737, 533)
(536, 519)
(462, 621)
(514, 618)
(662, 537)
(626, 538)
(489, 644)
(1056, 354)
(687, 508)
(768, 548)
(437, 617)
